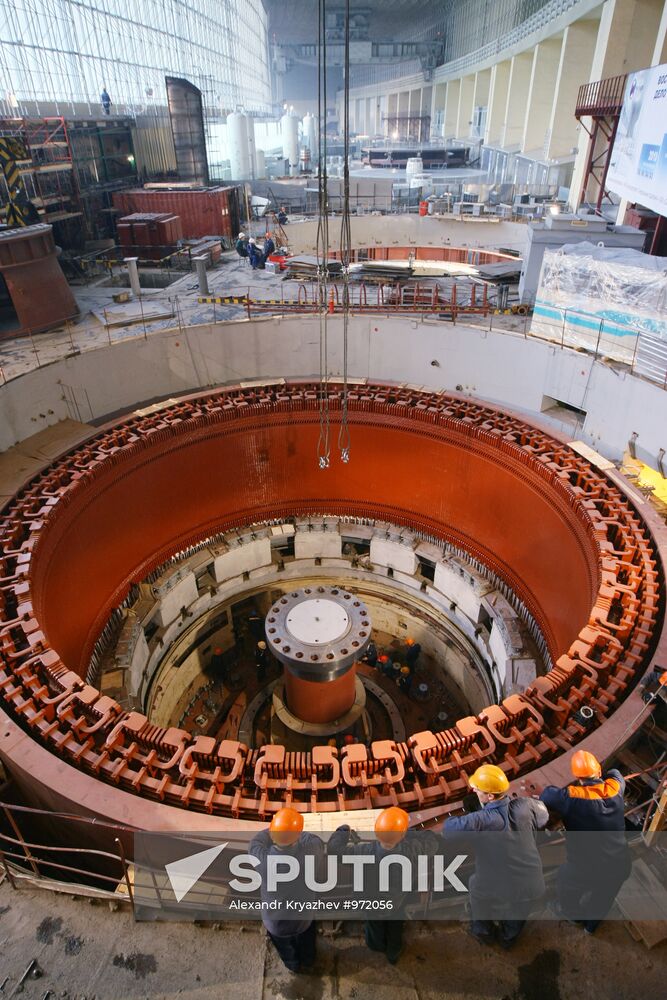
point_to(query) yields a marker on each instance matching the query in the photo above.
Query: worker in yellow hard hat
(592, 810)
(261, 660)
(295, 939)
(508, 876)
(391, 838)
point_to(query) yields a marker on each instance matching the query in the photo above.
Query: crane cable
(322, 242)
(346, 242)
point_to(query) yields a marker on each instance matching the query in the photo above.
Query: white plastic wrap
(601, 299)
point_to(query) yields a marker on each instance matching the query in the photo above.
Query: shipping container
(203, 212)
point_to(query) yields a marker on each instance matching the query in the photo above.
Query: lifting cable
(346, 240)
(322, 242)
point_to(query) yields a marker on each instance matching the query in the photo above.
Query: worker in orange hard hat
(286, 827)
(592, 810)
(508, 876)
(391, 838)
(294, 940)
(412, 653)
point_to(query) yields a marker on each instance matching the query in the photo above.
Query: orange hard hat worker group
(585, 765)
(286, 827)
(391, 826)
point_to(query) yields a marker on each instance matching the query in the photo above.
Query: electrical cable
(346, 241)
(322, 242)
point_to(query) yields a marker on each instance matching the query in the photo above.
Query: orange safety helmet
(409, 642)
(585, 765)
(286, 827)
(391, 826)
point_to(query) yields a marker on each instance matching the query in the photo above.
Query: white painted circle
(317, 621)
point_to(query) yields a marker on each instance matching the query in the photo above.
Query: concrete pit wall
(526, 375)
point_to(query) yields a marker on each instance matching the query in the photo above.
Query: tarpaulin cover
(603, 299)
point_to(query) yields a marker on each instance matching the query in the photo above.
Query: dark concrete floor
(88, 952)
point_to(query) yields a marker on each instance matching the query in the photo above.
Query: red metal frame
(602, 102)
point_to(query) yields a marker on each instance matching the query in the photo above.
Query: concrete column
(495, 114)
(426, 107)
(133, 272)
(451, 107)
(481, 95)
(660, 49)
(544, 72)
(392, 109)
(482, 88)
(574, 68)
(464, 115)
(439, 101)
(201, 274)
(626, 41)
(517, 92)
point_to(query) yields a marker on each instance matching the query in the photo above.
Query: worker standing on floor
(405, 680)
(371, 655)
(294, 940)
(105, 101)
(412, 653)
(508, 875)
(261, 660)
(391, 827)
(596, 866)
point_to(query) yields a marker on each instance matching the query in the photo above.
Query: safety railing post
(123, 861)
(8, 872)
(19, 837)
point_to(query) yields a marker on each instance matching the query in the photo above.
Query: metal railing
(602, 97)
(99, 872)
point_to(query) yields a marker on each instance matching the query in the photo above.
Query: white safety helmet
(252, 240)
(241, 236)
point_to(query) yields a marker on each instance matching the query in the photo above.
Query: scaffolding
(57, 55)
(70, 170)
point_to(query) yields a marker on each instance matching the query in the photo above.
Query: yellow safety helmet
(489, 778)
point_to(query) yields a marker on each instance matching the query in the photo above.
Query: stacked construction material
(203, 211)
(305, 267)
(149, 235)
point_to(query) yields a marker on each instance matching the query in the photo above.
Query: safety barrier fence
(421, 298)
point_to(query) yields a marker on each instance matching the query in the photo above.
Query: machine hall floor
(87, 952)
